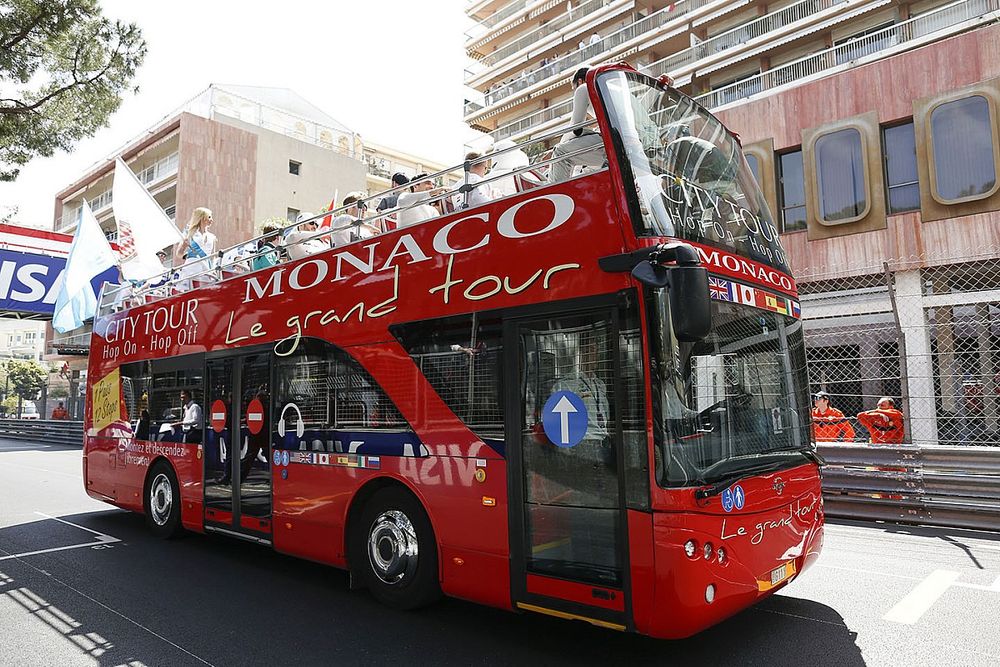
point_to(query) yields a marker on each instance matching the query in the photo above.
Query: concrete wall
(323, 172)
(217, 169)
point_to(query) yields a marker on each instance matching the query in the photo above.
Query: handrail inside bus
(114, 298)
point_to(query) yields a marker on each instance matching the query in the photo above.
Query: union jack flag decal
(719, 289)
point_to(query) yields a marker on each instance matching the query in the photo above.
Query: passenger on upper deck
(390, 201)
(350, 226)
(412, 206)
(478, 194)
(304, 239)
(507, 162)
(198, 247)
(580, 138)
(267, 248)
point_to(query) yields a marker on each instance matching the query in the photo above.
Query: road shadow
(230, 602)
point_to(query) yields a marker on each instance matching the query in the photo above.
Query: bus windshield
(736, 400)
(690, 175)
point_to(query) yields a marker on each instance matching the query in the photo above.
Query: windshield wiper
(726, 482)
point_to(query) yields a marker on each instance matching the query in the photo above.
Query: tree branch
(21, 36)
(22, 108)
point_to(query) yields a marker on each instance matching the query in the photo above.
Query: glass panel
(840, 174)
(733, 401)
(793, 192)
(461, 359)
(219, 441)
(571, 490)
(255, 432)
(901, 168)
(689, 174)
(754, 165)
(321, 392)
(962, 136)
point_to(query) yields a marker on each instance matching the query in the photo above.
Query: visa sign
(29, 283)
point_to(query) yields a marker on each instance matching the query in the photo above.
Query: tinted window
(322, 392)
(461, 359)
(840, 175)
(170, 377)
(136, 382)
(962, 136)
(901, 182)
(793, 192)
(754, 165)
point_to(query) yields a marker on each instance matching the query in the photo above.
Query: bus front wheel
(163, 501)
(394, 550)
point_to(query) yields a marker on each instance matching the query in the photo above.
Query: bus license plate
(779, 574)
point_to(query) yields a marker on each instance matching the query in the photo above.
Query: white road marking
(920, 599)
(995, 586)
(101, 539)
(48, 470)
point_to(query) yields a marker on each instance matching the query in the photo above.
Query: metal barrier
(50, 431)
(939, 486)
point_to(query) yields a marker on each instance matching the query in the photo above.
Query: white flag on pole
(143, 227)
(89, 256)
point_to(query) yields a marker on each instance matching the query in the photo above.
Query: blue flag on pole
(89, 256)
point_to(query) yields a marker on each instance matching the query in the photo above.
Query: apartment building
(872, 127)
(381, 162)
(246, 152)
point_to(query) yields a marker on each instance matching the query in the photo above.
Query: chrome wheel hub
(392, 547)
(161, 499)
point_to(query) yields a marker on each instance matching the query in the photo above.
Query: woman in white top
(198, 248)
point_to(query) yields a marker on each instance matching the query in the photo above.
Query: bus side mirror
(690, 304)
(652, 274)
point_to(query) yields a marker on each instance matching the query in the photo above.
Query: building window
(840, 175)
(899, 149)
(964, 148)
(291, 214)
(294, 167)
(754, 165)
(793, 192)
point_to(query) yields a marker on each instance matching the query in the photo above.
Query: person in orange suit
(885, 423)
(829, 423)
(60, 412)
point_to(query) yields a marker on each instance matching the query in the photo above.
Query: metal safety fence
(923, 331)
(48, 431)
(931, 485)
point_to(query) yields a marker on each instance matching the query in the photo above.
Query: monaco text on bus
(585, 398)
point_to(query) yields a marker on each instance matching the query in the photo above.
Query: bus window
(136, 381)
(461, 359)
(166, 408)
(324, 400)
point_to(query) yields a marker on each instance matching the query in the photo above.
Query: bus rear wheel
(163, 502)
(394, 550)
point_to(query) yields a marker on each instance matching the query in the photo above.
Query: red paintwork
(576, 592)
(407, 282)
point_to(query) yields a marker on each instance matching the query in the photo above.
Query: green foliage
(26, 378)
(276, 220)
(63, 69)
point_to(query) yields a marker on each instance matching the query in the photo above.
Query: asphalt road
(82, 583)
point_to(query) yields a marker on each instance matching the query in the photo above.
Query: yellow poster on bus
(106, 400)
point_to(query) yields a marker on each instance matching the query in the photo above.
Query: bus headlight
(709, 550)
(690, 548)
(710, 593)
(721, 555)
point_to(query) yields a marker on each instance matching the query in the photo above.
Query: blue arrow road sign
(564, 419)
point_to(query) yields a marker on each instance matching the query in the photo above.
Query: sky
(390, 70)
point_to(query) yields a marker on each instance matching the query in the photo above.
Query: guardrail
(956, 487)
(50, 431)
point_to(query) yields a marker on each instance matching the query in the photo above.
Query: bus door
(238, 446)
(566, 502)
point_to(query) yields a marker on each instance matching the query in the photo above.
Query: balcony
(905, 35)
(536, 35)
(740, 35)
(532, 120)
(590, 52)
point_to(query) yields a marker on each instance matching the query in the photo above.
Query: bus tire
(162, 501)
(394, 551)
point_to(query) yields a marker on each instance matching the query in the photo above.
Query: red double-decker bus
(586, 398)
